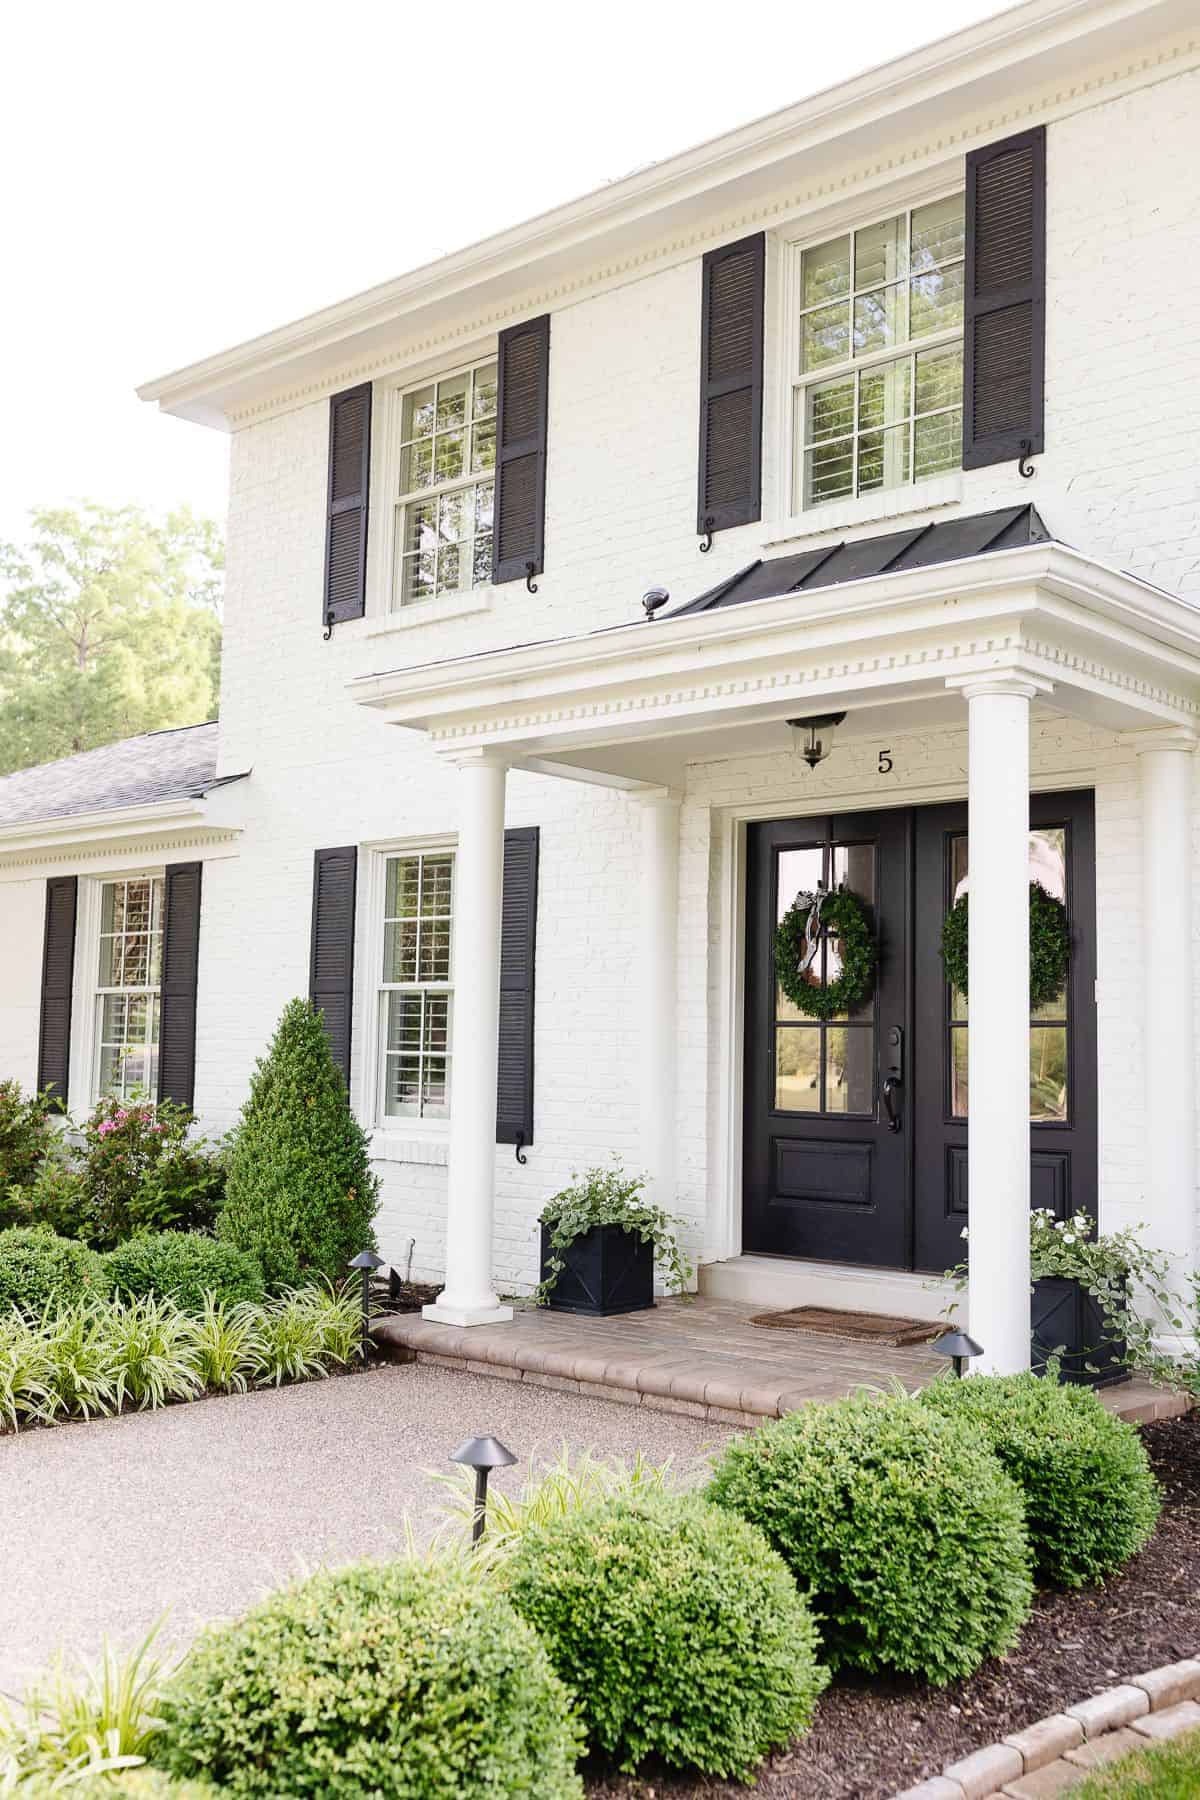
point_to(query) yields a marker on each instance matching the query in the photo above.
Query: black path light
(958, 1346)
(368, 1262)
(483, 1454)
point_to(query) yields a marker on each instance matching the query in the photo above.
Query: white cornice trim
(166, 824)
(932, 102)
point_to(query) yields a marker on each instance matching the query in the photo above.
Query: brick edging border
(1145, 1709)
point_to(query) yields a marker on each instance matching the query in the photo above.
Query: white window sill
(395, 1144)
(868, 509)
(426, 612)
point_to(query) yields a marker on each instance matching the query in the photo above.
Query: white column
(468, 1297)
(658, 931)
(998, 1019)
(1168, 998)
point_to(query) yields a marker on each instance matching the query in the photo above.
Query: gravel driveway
(198, 1509)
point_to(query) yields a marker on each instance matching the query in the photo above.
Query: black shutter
(58, 974)
(518, 940)
(519, 529)
(331, 967)
(1004, 321)
(346, 517)
(731, 384)
(180, 967)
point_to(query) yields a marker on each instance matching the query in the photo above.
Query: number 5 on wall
(885, 762)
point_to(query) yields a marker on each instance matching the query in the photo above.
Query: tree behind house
(109, 626)
(300, 1193)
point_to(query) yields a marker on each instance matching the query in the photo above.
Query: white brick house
(791, 299)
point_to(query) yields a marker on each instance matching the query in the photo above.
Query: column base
(467, 1315)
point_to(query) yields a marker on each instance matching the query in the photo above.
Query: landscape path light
(368, 1262)
(483, 1454)
(958, 1346)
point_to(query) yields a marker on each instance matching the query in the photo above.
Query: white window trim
(791, 521)
(384, 614)
(81, 1072)
(398, 1139)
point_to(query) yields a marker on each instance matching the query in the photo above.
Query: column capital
(1013, 678)
(1181, 738)
(478, 757)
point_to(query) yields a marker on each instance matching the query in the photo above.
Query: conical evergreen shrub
(300, 1194)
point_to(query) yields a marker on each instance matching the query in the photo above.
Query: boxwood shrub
(676, 1625)
(400, 1679)
(38, 1270)
(144, 1782)
(1091, 1500)
(184, 1266)
(901, 1526)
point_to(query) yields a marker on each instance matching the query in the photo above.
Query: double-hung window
(416, 1000)
(444, 507)
(127, 992)
(877, 383)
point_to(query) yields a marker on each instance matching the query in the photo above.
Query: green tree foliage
(109, 626)
(300, 1194)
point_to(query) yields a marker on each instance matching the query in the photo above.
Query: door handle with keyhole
(891, 1101)
(893, 1077)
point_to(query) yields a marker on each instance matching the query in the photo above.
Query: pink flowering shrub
(140, 1172)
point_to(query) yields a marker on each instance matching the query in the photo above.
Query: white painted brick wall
(1119, 479)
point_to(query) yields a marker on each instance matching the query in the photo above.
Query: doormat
(864, 1327)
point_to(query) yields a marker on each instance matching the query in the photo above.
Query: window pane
(452, 402)
(435, 1088)
(417, 419)
(939, 378)
(481, 571)
(879, 253)
(849, 1069)
(830, 409)
(958, 1072)
(402, 887)
(798, 1068)
(829, 472)
(483, 447)
(485, 499)
(825, 271)
(883, 395)
(936, 302)
(485, 391)
(433, 961)
(420, 526)
(418, 577)
(402, 1086)
(111, 905)
(882, 459)
(1048, 1072)
(416, 466)
(448, 456)
(436, 883)
(937, 443)
(400, 951)
(879, 319)
(937, 232)
(453, 516)
(825, 336)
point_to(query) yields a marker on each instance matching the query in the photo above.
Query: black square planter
(1065, 1313)
(606, 1270)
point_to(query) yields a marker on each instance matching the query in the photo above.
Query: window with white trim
(877, 384)
(416, 1000)
(127, 992)
(443, 522)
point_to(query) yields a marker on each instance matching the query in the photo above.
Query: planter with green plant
(601, 1239)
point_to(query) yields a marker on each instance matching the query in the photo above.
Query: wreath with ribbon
(1049, 945)
(839, 916)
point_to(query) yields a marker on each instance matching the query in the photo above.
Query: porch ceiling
(638, 702)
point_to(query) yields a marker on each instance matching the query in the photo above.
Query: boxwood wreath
(840, 915)
(1049, 945)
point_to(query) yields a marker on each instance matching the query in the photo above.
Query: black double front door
(855, 1129)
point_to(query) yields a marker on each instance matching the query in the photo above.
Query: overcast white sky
(181, 177)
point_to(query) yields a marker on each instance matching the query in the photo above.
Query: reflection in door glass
(798, 1068)
(819, 1067)
(849, 1069)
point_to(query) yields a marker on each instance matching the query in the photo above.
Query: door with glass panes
(854, 1130)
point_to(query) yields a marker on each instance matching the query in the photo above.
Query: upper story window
(877, 393)
(444, 509)
(128, 979)
(416, 996)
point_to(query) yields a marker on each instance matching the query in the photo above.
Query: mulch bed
(410, 1296)
(870, 1742)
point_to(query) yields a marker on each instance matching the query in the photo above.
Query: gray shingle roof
(139, 771)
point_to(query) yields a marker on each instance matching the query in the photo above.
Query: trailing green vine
(1049, 945)
(840, 916)
(610, 1197)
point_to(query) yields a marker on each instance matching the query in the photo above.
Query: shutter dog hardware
(706, 540)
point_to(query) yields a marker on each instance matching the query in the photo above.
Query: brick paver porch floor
(697, 1356)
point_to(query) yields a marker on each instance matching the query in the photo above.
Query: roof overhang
(1045, 59)
(166, 827)
(1100, 644)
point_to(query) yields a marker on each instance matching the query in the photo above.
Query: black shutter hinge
(1025, 468)
(520, 1140)
(530, 572)
(329, 622)
(706, 540)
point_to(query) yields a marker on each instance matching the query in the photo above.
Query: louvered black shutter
(518, 541)
(1004, 323)
(180, 968)
(58, 974)
(518, 940)
(331, 968)
(731, 382)
(349, 492)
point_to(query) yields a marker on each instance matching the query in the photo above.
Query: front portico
(984, 639)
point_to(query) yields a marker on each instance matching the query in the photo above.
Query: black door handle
(891, 1101)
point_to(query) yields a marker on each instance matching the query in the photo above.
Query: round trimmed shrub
(900, 1525)
(1091, 1500)
(676, 1625)
(38, 1270)
(184, 1266)
(382, 1680)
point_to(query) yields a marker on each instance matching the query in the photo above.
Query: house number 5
(885, 762)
